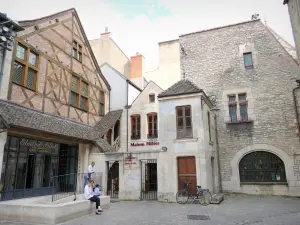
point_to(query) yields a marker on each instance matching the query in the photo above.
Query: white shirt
(88, 192)
(91, 169)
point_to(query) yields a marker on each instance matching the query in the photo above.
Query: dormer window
(151, 98)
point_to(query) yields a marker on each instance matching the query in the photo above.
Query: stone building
(294, 11)
(252, 76)
(54, 115)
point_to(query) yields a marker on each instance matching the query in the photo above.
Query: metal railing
(71, 184)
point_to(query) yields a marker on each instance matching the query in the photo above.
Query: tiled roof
(15, 115)
(182, 87)
(104, 146)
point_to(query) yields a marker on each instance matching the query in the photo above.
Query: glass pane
(179, 111)
(84, 89)
(18, 73)
(189, 132)
(75, 84)
(21, 170)
(74, 99)
(38, 168)
(155, 126)
(248, 59)
(83, 103)
(180, 132)
(231, 98)
(233, 113)
(101, 96)
(47, 170)
(10, 171)
(31, 76)
(244, 112)
(188, 121)
(187, 111)
(180, 122)
(150, 118)
(242, 97)
(80, 56)
(74, 53)
(4, 162)
(101, 109)
(20, 53)
(32, 58)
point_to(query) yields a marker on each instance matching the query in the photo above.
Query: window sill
(24, 87)
(239, 122)
(77, 60)
(185, 140)
(264, 183)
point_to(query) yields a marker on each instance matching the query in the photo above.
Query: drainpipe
(109, 100)
(127, 89)
(218, 148)
(296, 106)
(2, 68)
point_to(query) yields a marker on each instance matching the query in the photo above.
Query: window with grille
(25, 67)
(101, 103)
(79, 93)
(261, 166)
(184, 122)
(77, 51)
(135, 127)
(152, 125)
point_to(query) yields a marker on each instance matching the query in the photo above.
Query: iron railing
(71, 184)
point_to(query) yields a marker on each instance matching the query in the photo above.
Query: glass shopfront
(28, 166)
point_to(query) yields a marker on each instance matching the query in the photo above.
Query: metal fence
(72, 184)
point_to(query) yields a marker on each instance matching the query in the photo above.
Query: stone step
(217, 198)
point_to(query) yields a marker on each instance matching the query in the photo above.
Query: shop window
(152, 125)
(262, 166)
(184, 122)
(135, 127)
(25, 67)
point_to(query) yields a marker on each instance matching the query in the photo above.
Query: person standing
(87, 176)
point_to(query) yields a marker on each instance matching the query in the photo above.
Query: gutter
(108, 101)
(296, 106)
(127, 89)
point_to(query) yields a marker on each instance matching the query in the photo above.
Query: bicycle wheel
(182, 197)
(205, 198)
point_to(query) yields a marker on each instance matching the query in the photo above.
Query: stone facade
(294, 11)
(213, 59)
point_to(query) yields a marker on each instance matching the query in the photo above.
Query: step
(217, 198)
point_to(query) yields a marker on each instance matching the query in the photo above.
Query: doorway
(187, 172)
(149, 179)
(30, 170)
(113, 179)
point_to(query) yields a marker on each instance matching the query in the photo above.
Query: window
(152, 125)
(209, 128)
(184, 122)
(152, 98)
(243, 107)
(79, 93)
(262, 166)
(135, 127)
(232, 108)
(25, 67)
(101, 104)
(248, 62)
(77, 51)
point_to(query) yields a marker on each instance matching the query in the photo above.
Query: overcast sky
(138, 25)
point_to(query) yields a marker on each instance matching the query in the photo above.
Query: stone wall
(213, 60)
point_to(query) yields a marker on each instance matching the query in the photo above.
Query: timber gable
(52, 39)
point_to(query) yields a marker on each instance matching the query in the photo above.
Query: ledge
(239, 122)
(263, 183)
(183, 140)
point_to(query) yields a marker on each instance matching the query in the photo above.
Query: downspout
(2, 68)
(218, 153)
(296, 106)
(109, 101)
(127, 116)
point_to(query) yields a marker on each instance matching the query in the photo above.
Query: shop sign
(41, 145)
(147, 143)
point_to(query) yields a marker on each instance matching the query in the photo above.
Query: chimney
(106, 33)
(137, 70)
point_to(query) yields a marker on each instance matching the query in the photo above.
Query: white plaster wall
(133, 93)
(118, 87)
(142, 106)
(168, 71)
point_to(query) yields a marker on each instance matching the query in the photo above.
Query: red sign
(148, 143)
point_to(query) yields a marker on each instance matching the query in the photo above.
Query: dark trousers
(95, 199)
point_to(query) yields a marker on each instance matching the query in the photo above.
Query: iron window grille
(262, 166)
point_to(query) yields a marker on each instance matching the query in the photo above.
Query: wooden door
(187, 172)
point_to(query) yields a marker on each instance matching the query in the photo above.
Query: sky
(138, 25)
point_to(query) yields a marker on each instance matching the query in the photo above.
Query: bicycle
(202, 195)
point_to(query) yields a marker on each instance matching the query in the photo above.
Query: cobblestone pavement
(235, 210)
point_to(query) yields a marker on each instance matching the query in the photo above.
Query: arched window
(262, 166)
